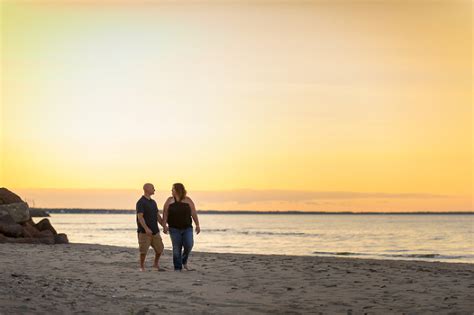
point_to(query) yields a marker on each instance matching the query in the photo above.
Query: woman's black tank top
(179, 215)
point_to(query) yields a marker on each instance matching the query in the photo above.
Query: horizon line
(125, 211)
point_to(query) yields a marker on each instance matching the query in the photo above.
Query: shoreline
(91, 278)
(284, 256)
(244, 212)
(336, 256)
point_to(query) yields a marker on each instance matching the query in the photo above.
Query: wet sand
(97, 279)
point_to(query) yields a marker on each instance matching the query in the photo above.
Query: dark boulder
(16, 225)
(45, 225)
(27, 240)
(30, 230)
(18, 211)
(7, 197)
(46, 240)
(6, 218)
(14, 230)
(9, 227)
(45, 233)
(61, 239)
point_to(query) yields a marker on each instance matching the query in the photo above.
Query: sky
(324, 106)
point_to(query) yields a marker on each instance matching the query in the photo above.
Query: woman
(177, 212)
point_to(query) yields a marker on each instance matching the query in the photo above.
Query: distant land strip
(124, 211)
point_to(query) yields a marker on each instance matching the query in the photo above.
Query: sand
(96, 279)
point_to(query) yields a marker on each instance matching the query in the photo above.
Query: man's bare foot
(142, 269)
(158, 268)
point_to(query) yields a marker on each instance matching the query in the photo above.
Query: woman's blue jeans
(182, 240)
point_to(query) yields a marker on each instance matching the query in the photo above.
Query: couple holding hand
(178, 211)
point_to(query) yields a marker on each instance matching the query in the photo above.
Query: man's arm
(194, 215)
(141, 219)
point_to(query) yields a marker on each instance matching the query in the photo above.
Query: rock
(47, 240)
(18, 211)
(29, 229)
(45, 225)
(5, 217)
(61, 239)
(11, 229)
(45, 233)
(28, 240)
(7, 197)
(38, 213)
(50, 240)
(5, 239)
(16, 225)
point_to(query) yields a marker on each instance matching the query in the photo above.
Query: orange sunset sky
(325, 106)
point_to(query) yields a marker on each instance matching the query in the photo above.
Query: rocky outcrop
(61, 238)
(8, 197)
(45, 225)
(9, 227)
(19, 211)
(16, 225)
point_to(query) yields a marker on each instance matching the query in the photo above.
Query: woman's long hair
(180, 191)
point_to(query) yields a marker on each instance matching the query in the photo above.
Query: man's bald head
(148, 189)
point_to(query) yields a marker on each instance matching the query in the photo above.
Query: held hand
(148, 232)
(165, 229)
(198, 229)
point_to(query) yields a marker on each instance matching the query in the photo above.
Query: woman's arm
(158, 217)
(194, 215)
(165, 215)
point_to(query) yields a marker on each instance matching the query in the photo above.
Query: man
(147, 227)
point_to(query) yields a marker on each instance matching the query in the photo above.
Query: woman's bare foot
(142, 269)
(187, 268)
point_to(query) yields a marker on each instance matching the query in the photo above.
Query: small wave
(227, 230)
(339, 253)
(278, 233)
(433, 255)
(258, 232)
(412, 256)
(417, 255)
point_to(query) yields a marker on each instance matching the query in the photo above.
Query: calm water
(422, 237)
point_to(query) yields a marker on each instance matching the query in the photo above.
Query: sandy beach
(83, 278)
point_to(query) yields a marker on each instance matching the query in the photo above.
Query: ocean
(448, 238)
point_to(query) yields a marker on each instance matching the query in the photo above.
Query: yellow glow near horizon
(306, 97)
